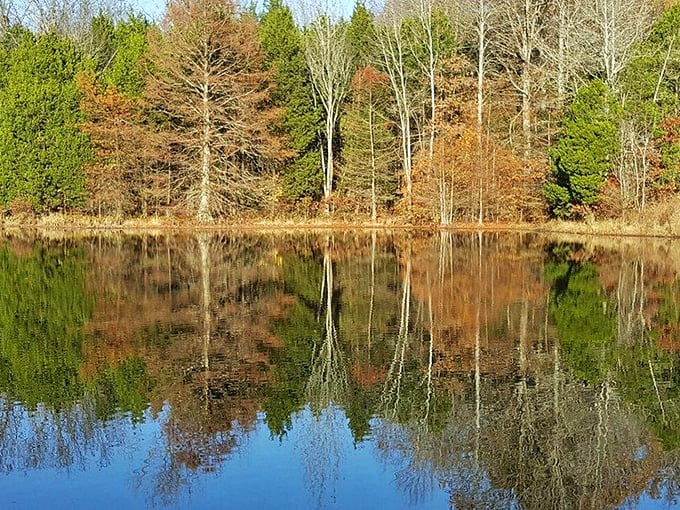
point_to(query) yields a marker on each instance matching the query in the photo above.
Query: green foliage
(417, 41)
(124, 387)
(291, 367)
(298, 330)
(362, 404)
(585, 323)
(125, 70)
(282, 43)
(42, 151)
(361, 36)
(443, 35)
(40, 326)
(650, 85)
(370, 150)
(302, 277)
(586, 320)
(42, 339)
(647, 378)
(102, 33)
(583, 156)
(650, 81)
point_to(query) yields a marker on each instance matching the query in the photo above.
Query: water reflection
(491, 370)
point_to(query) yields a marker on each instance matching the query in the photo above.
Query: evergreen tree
(125, 70)
(370, 148)
(583, 156)
(361, 36)
(102, 48)
(42, 151)
(302, 120)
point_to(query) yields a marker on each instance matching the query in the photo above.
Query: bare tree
(8, 15)
(71, 18)
(329, 60)
(482, 16)
(616, 26)
(518, 34)
(430, 43)
(429, 64)
(473, 21)
(566, 46)
(393, 48)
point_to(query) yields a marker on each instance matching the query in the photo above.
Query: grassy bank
(662, 221)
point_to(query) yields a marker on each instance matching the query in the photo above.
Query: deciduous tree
(209, 82)
(329, 61)
(650, 94)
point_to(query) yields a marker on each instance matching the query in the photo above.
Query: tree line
(438, 111)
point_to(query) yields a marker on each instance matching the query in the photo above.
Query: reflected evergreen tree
(584, 318)
(41, 333)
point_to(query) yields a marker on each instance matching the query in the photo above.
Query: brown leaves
(126, 150)
(210, 84)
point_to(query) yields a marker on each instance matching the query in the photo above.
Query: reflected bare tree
(391, 395)
(64, 439)
(213, 373)
(321, 450)
(327, 384)
(326, 393)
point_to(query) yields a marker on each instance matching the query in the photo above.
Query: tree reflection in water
(44, 438)
(506, 370)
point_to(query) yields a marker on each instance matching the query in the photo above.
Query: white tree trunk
(204, 215)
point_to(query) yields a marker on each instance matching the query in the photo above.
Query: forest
(430, 111)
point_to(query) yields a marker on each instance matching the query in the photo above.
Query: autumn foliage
(125, 178)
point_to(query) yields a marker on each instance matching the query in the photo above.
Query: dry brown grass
(659, 220)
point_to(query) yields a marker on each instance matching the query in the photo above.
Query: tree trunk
(204, 215)
(481, 55)
(374, 205)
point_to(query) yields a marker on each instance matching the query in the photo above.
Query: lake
(339, 370)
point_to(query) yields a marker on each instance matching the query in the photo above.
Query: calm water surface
(339, 371)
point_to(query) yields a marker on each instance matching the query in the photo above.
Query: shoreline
(79, 223)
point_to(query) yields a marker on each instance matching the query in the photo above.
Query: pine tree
(302, 119)
(361, 36)
(125, 68)
(583, 156)
(370, 148)
(42, 150)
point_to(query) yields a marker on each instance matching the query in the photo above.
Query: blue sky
(154, 8)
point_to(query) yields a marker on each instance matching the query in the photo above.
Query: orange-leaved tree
(123, 178)
(471, 177)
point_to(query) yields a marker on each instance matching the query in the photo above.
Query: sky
(154, 8)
